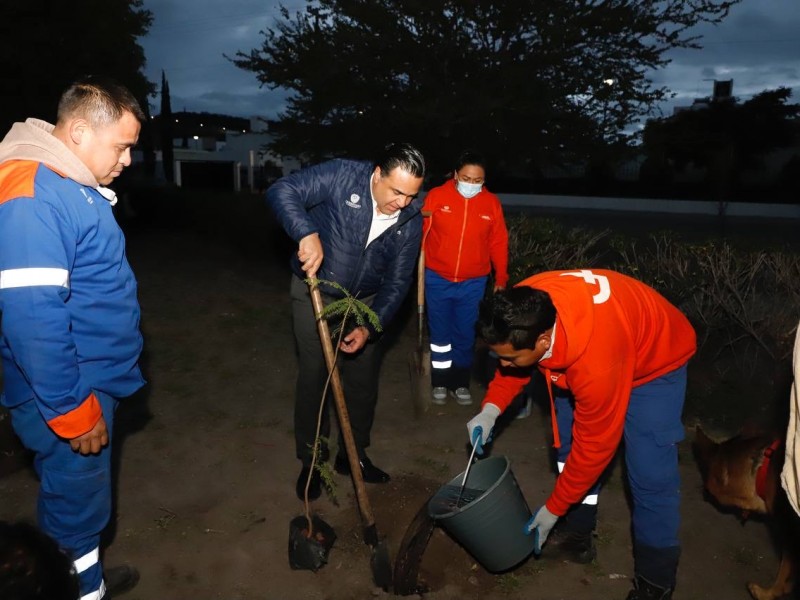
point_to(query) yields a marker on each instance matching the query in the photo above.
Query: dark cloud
(757, 46)
(245, 103)
(189, 41)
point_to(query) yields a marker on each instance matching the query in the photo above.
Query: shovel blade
(380, 563)
(419, 368)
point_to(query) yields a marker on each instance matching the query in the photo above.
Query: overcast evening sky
(757, 46)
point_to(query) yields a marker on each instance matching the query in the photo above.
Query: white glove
(480, 427)
(540, 525)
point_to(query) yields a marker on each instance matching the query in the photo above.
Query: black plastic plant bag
(309, 553)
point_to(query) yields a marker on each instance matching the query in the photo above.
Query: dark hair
(402, 155)
(470, 157)
(33, 567)
(517, 316)
(101, 102)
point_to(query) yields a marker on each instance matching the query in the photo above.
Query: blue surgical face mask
(468, 190)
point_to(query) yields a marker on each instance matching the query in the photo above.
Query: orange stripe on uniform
(17, 179)
(79, 420)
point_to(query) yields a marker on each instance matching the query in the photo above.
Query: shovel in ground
(380, 562)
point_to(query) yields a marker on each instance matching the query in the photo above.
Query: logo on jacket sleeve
(354, 202)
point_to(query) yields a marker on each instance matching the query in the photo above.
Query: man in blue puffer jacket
(359, 224)
(70, 340)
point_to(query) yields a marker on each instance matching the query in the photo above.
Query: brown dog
(744, 473)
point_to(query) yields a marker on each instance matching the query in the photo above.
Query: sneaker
(439, 395)
(463, 397)
(571, 546)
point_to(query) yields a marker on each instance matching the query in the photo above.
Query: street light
(604, 98)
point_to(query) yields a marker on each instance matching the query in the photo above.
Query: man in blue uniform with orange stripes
(70, 341)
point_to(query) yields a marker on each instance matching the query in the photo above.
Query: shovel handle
(420, 296)
(421, 282)
(341, 409)
(421, 269)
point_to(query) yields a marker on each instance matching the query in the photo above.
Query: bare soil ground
(207, 469)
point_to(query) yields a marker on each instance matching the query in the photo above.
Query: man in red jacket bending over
(613, 352)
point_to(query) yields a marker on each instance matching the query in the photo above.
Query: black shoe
(314, 488)
(573, 546)
(644, 590)
(119, 580)
(369, 472)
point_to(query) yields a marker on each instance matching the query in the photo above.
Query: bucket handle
(466, 473)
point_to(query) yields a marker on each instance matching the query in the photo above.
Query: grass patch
(509, 583)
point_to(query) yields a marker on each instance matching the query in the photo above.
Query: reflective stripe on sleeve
(15, 278)
(441, 364)
(435, 348)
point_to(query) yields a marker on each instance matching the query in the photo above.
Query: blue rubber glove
(481, 425)
(540, 525)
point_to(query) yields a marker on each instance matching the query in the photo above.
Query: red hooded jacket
(612, 333)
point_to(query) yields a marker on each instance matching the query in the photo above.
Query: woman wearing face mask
(465, 239)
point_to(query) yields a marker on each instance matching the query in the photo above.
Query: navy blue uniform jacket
(333, 199)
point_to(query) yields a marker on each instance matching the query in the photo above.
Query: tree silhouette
(725, 138)
(529, 81)
(45, 45)
(165, 129)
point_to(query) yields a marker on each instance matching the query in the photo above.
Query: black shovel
(380, 563)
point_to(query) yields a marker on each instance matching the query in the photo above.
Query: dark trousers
(359, 375)
(653, 429)
(581, 517)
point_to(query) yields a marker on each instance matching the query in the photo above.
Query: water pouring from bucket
(485, 511)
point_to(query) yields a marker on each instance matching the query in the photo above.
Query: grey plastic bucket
(490, 526)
